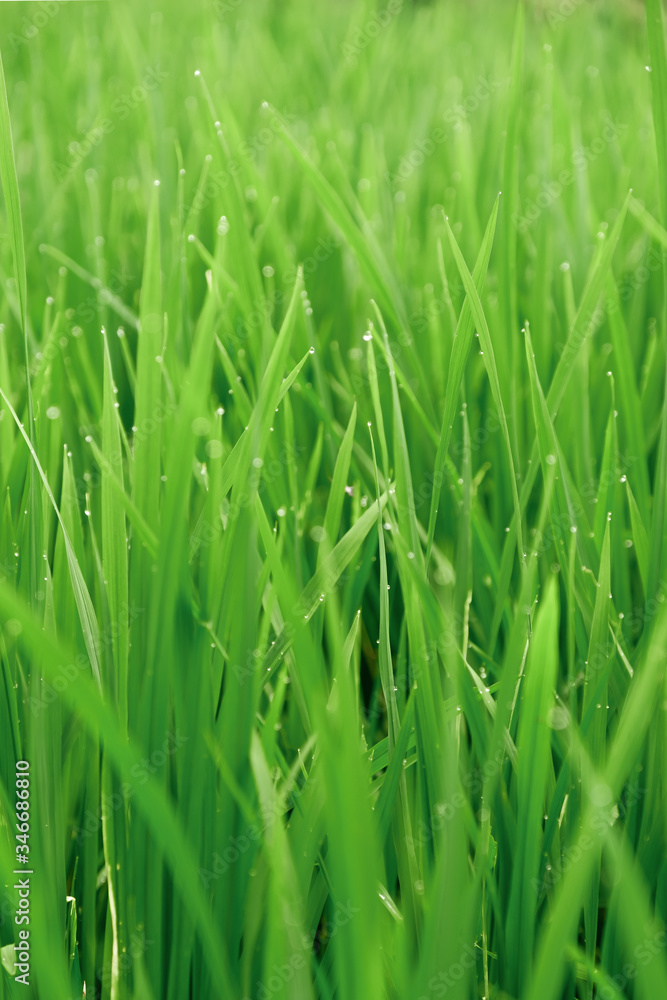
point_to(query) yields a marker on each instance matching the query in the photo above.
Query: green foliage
(333, 547)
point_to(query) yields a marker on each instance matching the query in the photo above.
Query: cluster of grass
(333, 485)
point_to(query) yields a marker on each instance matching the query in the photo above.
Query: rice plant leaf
(650, 224)
(640, 537)
(87, 617)
(10, 189)
(587, 318)
(332, 517)
(533, 747)
(149, 799)
(463, 338)
(492, 372)
(104, 294)
(546, 978)
(366, 250)
(323, 580)
(114, 540)
(656, 43)
(148, 397)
